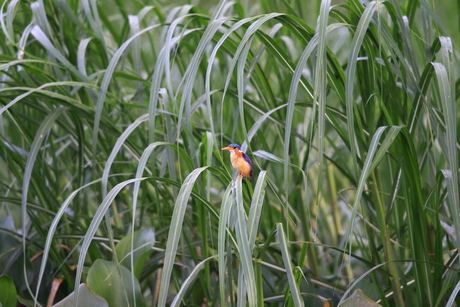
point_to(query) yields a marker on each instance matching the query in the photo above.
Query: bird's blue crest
(235, 145)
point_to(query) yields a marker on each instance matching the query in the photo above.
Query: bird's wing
(246, 158)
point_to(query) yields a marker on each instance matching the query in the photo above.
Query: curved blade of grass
(38, 33)
(170, 137)
(447, 85)
(81, 55)
(431, 12)
(174, 28)
(449, 112)
(319, 94)
(24, 40)
(360, 32)
(291, 104)
(412, 72)
(244, 248)
(221, 8)
(42, 131)
(228, 201)
(65, 100)
(209, 147)
(356, 282)
(93, 227)
(65, 9)
(362, 180)
(189, 281)
(116, 148)
(387, 142)
(416, 219)
(162, 64)
(261, 120)
(51, 232)
(140, 169)
(191, 72)
(241, 87)
(175, 231)
(92, 14)
(105, 85)
(403, 23)
(136, 52)
(257, 59)
(170, 19)
(367, 170)
(253, 28)
(423, 85)
(293, 88)
(256, 207)
(212, 59)
(271, 157)
(295, 291)
(40, 90)
(20, 61)
(7, 22)
(40, 18)
(105, 176)
(242, 289)
(453, 295)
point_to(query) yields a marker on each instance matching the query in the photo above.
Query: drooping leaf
(113, 282)
(86, 298)
(8, 294)
(359, 299)
(136, 245)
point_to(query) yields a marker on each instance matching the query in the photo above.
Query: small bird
(240, 161)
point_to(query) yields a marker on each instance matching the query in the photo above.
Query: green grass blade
(39, 89)
(7, 22)
(93, 227)
(362, 180)
(319, 93)
(105, 85)
(189, 281)
(91, 12)
(52, 230)
(244, 247)
(351, 70)
(454, 294)
(449, 112)
(38, 33)
(116, 148)
(256, 207)
(136, 52)
(190, 75)
(175, 232)
(162, 65)
(228, 202)
(294, 287)
(42, 131)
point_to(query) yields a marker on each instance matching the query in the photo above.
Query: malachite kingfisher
(240, 161)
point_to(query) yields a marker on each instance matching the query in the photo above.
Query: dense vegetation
(113, 185)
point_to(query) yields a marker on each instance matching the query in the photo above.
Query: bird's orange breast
(240, 164)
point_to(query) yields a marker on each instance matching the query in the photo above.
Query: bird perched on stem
(240, 161)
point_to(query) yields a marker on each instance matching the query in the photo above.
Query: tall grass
(114, 188)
